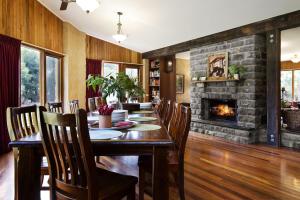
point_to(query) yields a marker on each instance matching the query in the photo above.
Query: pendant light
(88, 5)
(295, 59)
(119, 37)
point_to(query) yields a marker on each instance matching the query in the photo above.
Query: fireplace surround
(246, 98)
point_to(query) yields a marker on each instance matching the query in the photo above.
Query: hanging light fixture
(88, 5)
(295, 59)
(119, 37)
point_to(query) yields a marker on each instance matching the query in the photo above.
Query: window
(133, 73)
(110, 69)
(40, 76)
(297, 85)
(286, 83)
(30, 76)
(52, 78)
(290, 81)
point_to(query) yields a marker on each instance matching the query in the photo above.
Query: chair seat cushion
(113, 184)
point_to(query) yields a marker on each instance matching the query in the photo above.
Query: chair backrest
(74, 104)
(21, 121)
(182, 129)
(161, 107)
(92, 104)
(67, 145)
(56, 107)
(174, 119)
(167, 113)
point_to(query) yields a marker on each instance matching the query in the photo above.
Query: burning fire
(224, 110)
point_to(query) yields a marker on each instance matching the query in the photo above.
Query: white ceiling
(152, 24)
(290, 43)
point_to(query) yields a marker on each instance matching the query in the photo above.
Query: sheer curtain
(9, 79)
(92, 67)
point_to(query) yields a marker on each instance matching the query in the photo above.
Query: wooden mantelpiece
(216, 80)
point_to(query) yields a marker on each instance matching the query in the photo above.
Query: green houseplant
(122, 86)
(236, 71)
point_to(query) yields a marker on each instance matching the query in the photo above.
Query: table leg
(29, 171)
(160, 174)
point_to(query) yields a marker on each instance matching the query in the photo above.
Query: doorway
(290, 87)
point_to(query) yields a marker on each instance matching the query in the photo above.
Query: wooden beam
(273, 87)
(280, 22)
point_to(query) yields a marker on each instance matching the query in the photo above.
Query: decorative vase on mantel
(236, 76)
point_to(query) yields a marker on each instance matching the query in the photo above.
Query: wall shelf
(217, 80)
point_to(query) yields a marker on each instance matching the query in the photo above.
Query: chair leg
(181, 182)
(131, 194)
(42, 180)
(141, 183)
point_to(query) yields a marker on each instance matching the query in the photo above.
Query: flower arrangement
(105, 110)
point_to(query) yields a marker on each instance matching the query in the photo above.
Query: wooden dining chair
(174, 120)
(161, 107)
(167, 113)
(21, 122)
(56, 107)
(74, 104)
(73, 171)
(175, 157)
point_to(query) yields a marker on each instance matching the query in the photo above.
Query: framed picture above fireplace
(217, 66)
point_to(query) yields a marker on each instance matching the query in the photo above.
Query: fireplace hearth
(222, 110)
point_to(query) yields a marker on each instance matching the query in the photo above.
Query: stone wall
(250, 92)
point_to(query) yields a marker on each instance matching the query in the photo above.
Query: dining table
(155, 143)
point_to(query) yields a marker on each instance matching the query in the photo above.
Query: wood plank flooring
(214, 170)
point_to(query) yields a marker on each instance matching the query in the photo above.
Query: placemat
(104, 134)
(145, 127)
(143, 112)
(142, 119)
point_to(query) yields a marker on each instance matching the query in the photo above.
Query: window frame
(108, 62)
(42, 76)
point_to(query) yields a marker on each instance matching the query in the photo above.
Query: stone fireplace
(233, 110)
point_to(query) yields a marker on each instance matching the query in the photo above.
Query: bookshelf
(154, 80)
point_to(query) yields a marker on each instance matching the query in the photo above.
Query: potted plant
(105, 112)
(122, 86)
(236, 71)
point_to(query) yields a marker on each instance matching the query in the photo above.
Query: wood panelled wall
(288, 65)
(31, 22)
(102, 50)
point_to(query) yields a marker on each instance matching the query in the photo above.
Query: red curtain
(9, 79)
(92, 67)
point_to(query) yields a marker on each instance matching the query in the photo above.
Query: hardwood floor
(214, 169)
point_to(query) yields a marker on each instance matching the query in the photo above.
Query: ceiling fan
(64, 4)
(86, 5)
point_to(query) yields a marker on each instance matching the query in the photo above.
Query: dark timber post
(273, 87)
